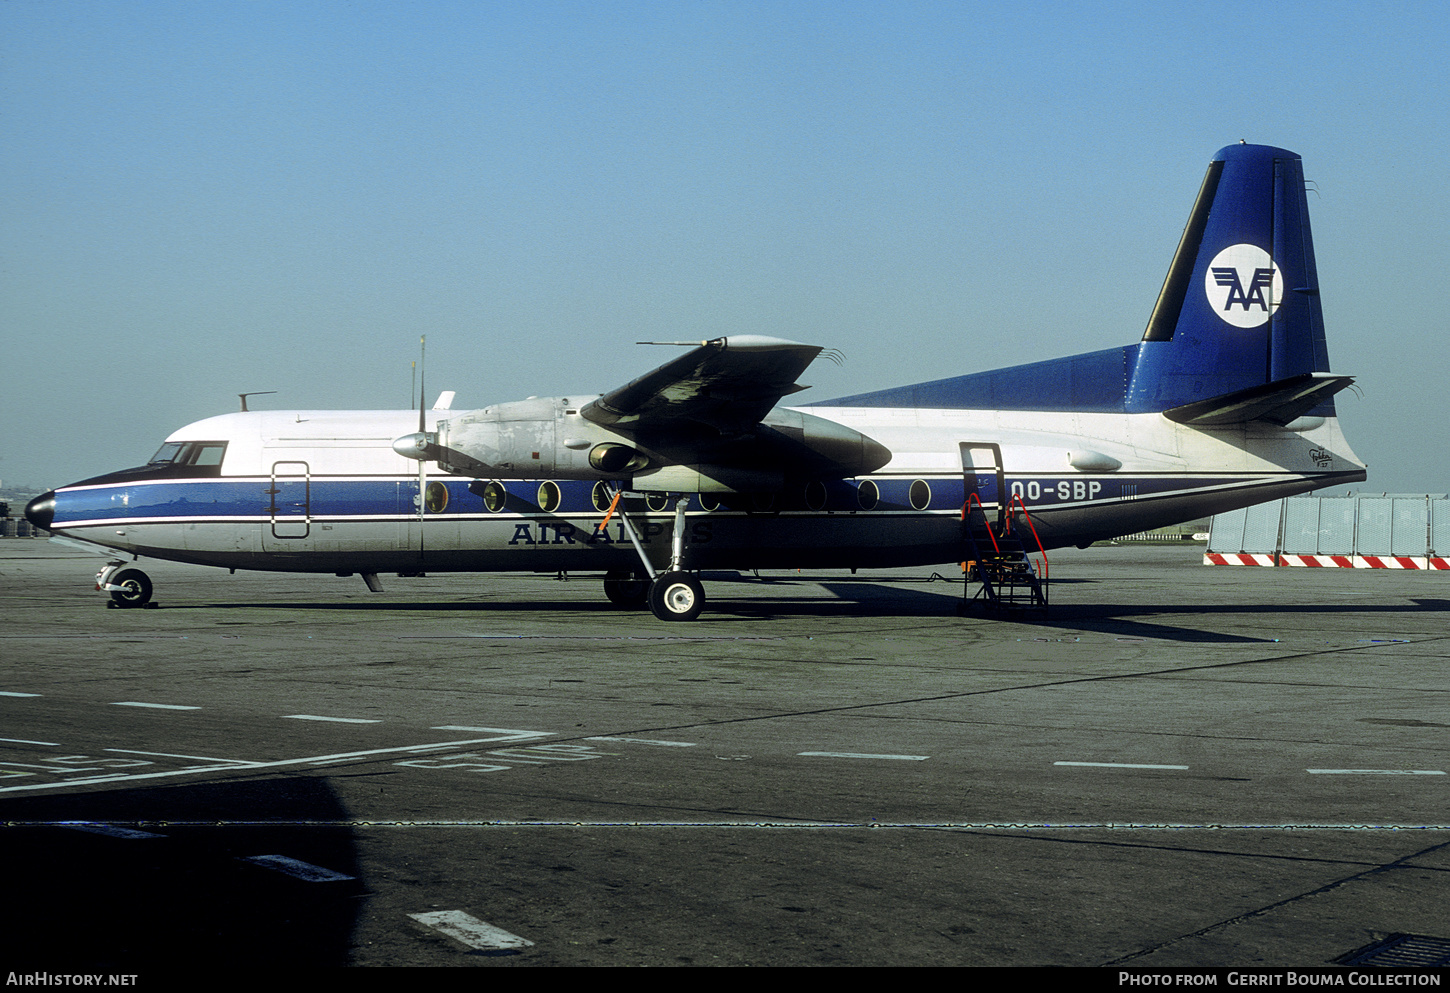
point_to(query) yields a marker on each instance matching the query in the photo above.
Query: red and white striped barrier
(1236, 558)
(1319, 561)
(1329, 561)
(1400, 562)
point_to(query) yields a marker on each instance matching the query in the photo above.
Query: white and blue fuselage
(1225, 402)
(324, 491)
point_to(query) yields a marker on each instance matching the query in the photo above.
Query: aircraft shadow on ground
(186, 899)
(864, 599)
(1121, 619)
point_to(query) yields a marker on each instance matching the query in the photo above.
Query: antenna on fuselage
(254, 393)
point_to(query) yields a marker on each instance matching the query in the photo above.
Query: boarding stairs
(998, 559)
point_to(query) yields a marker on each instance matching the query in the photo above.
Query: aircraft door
(983, 475)
(291, 500)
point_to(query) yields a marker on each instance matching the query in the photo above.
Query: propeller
(419, 446)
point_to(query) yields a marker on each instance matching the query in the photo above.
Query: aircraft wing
(728, 384)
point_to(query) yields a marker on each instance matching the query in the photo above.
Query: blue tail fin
(1237, 333)
(1240, 306)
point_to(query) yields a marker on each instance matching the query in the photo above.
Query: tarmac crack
(1329, 887)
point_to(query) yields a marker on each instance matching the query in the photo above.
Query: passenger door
(290, 505)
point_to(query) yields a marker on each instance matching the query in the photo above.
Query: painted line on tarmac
(194, 758)
(8, 693)
(470, 930)
(336, 720)
(1122, 765)
(363, 825)
(27, 741)
(505, 734)
(864, 755)
(1375, 772)
(582, 637)
(110, 830)
(243, 765)
(153, 706)
(296, 868)
(645, 741)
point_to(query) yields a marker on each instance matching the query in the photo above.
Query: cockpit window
(205, 453)
(173, 460)
(197, 453)
(165, 454)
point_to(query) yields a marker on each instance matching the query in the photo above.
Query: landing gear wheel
(136, 591)
(626, 589)
(676, 596)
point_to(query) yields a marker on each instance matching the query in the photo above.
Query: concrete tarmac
(1181, 765)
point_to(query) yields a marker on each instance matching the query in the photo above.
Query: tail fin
(1238, 332)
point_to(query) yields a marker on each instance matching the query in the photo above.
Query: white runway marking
(297, 868)
(345, 756)
(1374, 772)
(864, 755)
(544, 754)
(174, 755)
(647, 741)
(230, 764)
(1122, 765)
(111, 831)
(574, 825)
(505, 734)
(7, 693)
(153, 706)
(470, 930)
(336, 720)
(26, 741)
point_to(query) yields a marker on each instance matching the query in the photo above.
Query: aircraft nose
(41, 511)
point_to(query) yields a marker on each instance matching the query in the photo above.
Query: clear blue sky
(200, 198)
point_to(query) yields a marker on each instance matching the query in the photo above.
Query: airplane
(1226, 401)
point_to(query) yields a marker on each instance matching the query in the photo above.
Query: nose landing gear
(128, 587)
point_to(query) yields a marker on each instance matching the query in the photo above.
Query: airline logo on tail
(1244, 286)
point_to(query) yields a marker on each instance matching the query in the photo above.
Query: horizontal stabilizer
(1278, 402)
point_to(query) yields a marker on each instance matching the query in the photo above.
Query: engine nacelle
(823, 448)
(548, 438)
(616, 459)
(538, 438)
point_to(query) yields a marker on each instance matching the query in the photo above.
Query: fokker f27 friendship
(1226, 401)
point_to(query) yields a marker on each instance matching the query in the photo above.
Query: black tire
(626, 589)
(676, 596)
(137, 592)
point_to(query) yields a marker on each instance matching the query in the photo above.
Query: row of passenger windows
(815, 497)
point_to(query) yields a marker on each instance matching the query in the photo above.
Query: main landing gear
(627, 589)
(672, 595)
(128, 587)
(676, 596)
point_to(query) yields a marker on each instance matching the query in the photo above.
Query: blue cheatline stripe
(394, 499)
